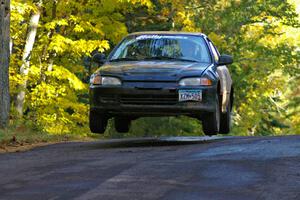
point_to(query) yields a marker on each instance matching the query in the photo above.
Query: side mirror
(225, 60)
(99, 58)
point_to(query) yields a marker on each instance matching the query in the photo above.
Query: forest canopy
(53, 41)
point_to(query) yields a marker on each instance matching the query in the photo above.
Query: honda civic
(152, 74)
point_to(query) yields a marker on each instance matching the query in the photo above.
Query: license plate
(190, 95)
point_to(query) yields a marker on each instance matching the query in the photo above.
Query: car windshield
(162, 47)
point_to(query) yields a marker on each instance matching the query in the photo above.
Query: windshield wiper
(168, 58)
(123, 59)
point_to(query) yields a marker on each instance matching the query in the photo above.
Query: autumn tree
(49, 76)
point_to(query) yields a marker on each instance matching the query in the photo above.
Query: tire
(98, 122)
(211, 122)
(122, 124)
(225, 122)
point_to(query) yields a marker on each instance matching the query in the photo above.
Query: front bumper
(149, 99)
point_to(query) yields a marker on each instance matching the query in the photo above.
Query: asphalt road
(166, 168)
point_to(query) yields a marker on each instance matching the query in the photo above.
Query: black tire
(225, 122)
(211, 121)
(98, 122)
(122, 124)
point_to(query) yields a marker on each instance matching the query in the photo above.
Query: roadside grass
(23, 138)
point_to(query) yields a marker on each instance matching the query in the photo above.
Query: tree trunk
(4, 62)
(25, 68)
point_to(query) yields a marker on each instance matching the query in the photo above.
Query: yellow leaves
(78, 29)
(279, 34)
(218, 39)
(114, 30)
(253, 30)
(147, 3)
(35, 71)
(59, 44)
(53, 24)
(55, 104)
(184, 18)
(88, 46)
(80, 47)
(64, 75)
(64, 118)
(189, 25)
(18, 10)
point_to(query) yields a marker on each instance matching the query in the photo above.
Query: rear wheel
(225, 123)
(98, 122)
(211, 122)
(122, 124)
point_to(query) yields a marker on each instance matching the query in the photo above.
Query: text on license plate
(190, 95)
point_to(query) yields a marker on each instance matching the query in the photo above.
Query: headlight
(111, 81)
(195, 82)
(96, 79)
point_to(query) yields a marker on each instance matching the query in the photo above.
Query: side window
(214, 51)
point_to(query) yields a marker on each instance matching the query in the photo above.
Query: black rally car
(162, 74)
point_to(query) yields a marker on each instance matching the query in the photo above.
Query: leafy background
(262, 35)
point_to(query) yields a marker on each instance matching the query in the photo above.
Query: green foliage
(263, 37)
(258, 35)
(164, 126)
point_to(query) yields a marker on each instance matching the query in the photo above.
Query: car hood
(152, 70)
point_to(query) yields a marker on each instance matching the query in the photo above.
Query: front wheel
(122, 124)
(98, 122)
(211, 122)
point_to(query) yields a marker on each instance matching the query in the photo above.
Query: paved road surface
(166, 168)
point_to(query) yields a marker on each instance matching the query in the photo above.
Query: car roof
(166, 33)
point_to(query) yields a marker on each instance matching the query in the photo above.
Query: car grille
(149, 99)
(138, 99)
(109, 99)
